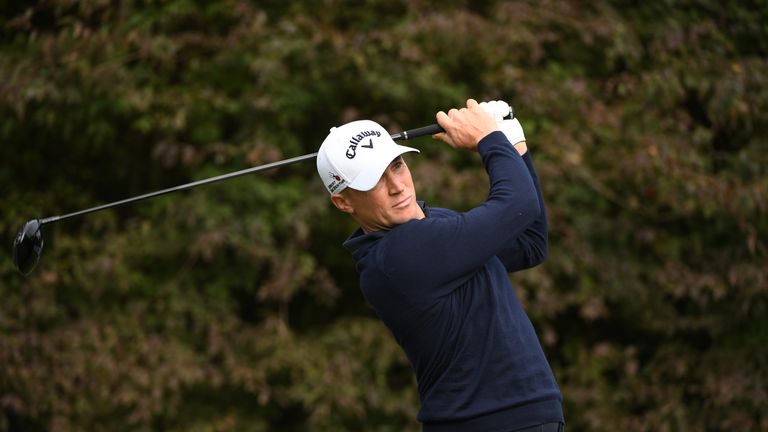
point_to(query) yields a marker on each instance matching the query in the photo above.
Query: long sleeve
(529, 249)
(437, 254)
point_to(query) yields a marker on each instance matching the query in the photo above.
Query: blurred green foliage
(234, 306)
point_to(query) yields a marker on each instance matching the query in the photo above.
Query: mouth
(403, 203)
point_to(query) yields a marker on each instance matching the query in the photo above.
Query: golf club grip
(431, 129)
(418, 132)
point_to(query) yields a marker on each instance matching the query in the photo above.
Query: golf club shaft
(181, 187)
(412, 133)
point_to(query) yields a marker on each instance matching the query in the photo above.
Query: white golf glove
(511, 127)
(497, 109)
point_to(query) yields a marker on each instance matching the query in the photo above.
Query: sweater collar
(360, 241)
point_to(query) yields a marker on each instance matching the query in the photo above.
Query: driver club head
(28, 246)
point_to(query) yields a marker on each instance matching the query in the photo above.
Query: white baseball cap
(355, 155)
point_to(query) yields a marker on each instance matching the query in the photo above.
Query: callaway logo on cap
(355, 155)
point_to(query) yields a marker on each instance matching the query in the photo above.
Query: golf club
(28, 244)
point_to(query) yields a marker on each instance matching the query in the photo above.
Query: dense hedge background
(234, 306)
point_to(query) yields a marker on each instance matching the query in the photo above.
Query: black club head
(28, 246)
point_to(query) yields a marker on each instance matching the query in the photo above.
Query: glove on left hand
(497, 109)
(511, 127)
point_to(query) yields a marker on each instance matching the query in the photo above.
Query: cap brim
(367, 179)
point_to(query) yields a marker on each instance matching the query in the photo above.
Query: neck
(371, 228)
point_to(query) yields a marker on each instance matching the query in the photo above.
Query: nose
(395, 184)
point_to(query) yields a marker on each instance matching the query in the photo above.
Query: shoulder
(439, 212)
(405, 240)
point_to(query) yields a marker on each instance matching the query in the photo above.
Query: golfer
(439, 278)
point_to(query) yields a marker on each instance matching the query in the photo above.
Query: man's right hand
(465, 127)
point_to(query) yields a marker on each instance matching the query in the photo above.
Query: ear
(342, 203)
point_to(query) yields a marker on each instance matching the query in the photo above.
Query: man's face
(390, 203)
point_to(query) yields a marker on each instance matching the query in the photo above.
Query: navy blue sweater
(441, 285)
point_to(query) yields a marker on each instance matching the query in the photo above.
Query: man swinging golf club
(439, 279)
